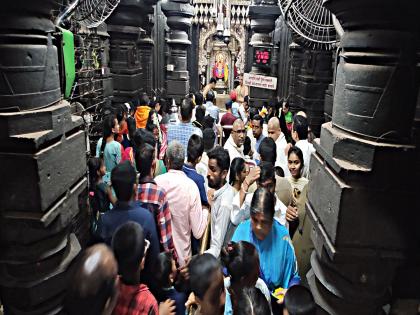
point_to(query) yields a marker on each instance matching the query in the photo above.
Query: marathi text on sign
(260, 81)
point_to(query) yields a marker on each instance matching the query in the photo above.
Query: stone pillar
(145, 47)
(179, 14)
(296, 59)
(124, 26)
(363, 190)
(42, 163)
(313, 80)
(263, 18)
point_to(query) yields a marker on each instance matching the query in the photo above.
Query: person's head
(247, 146)
(195, 149)
(238, 132)
(228, 105)
(246, 102)
(251, 301)
(121, 113)
(207, 284)
(262, 212)
(209, 137)
(295, 161)
(130, 248)
(300, 128)
(208, 122)
(166, 271)
(96, 170)
(142, 136)
(285, 106)
(152, 126)
(199, 99)
(238, 171)
(241, 80)
(164, 107)
(299, 301)
(257, 126)
(218, 167)
(145, 160)
(131, 126)
(233, 95)
(273, 128)
(301, 113)
(200, 113)
(186, 109)
(213, 82)
(210, 96)
(242, 263)
(267, 177)
(123, 179)
(93, 285)
(144, 100)
(279, 171)
(110, 126)
(268, 150)
(175, 155)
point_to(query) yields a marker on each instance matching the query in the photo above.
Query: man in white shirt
(234, 144)
(264, 177)
(300, 136)
(275, 133)
(221, 203)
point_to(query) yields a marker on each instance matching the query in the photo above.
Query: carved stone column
(296, 59)
(145, 46)
(124, 26)
(42, 163)
(313, 80)
(179, 14)
(362, 199)
(263, 16)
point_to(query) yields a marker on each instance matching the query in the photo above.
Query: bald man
(93, 287)
(235, 143)
(275, 133)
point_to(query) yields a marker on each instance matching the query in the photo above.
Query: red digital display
(262, 57)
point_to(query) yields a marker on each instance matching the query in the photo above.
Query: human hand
(191, 301)
(253, 175)
(184, 270)
(291, 213)
(167, 308)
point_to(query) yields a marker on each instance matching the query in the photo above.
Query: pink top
(186, 211)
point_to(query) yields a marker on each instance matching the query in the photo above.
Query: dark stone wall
(42, 164)
(362, 206)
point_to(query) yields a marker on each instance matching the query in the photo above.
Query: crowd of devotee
(198, 209)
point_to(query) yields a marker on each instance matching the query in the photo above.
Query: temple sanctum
(234, 156)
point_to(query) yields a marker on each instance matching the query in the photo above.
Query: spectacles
(239, 131)
(146, 246)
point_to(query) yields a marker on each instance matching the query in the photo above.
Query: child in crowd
(100, 194)
(130, 248)
(252, 301)
(243, 267)
(299, 301)
(207, 284)
(107, 148)
(167, 274)
(128, 154)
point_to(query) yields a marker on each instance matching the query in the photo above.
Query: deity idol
(220, 68)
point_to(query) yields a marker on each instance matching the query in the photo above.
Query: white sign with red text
(260, 81)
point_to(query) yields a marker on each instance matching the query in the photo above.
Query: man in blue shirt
(183, 130)
(212, 109)
(123, 179)
(257, 132)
